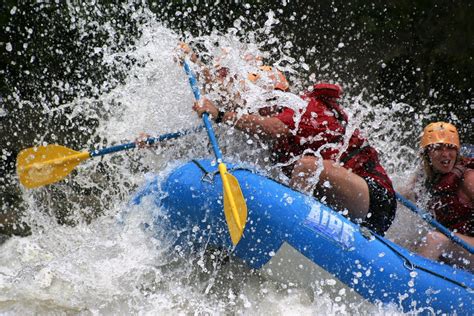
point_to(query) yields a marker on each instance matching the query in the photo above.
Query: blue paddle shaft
(429, 219)
(149, 141)
(205, 116)
(192, 81)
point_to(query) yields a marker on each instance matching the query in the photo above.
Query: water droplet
(331, 282)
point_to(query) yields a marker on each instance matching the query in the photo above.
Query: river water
(112, 264)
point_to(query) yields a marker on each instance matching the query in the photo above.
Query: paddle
(235, 208)
(42, 165)
(430, 220)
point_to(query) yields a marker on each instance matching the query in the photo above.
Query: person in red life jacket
(448, 180)
(311, 141)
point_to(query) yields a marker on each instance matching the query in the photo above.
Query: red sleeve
(287, 117)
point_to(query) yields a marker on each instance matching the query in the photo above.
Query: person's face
(442, 157)
(222, 73)
(224, 79)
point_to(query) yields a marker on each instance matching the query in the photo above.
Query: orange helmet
(440, 133)
(266, 74)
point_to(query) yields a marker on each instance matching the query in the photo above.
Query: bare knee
(434, 245)
(437, 239)
(305, 166)
(304, 173)
(308, 165)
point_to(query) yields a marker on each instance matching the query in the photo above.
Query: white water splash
(106, 267)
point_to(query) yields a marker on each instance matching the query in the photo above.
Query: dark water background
(416, 52)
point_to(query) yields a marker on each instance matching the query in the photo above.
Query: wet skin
(443, 158)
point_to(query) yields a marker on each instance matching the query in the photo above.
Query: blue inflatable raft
(376, 268)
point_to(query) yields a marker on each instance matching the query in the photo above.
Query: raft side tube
(376, 268)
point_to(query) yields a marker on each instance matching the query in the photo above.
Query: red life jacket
(449, 210)
(322, 126)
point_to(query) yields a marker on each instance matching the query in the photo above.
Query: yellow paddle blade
(235, 208)
(43, 165)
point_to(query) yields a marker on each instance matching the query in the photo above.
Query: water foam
(102, 265)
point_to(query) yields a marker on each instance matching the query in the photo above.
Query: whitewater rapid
(112, 264)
